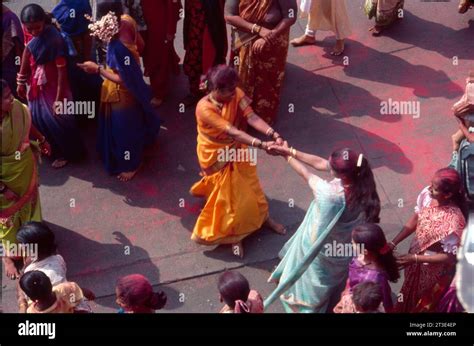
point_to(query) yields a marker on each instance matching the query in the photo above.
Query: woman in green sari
(19, 198)
(313, 271)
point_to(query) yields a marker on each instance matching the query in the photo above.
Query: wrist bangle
(394, 245)
(270, 132)
(253, 142)
(253, 28)
(289, 158)
(42, 140)
(416, 258)
(293, 152)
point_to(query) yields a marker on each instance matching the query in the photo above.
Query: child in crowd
(235, 292)
(63, 298)
(464, 112)
(135, 295)
(46, 259)
(375, 263)
(367, 297)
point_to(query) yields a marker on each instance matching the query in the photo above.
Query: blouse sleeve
(423, 200)
(245, 105)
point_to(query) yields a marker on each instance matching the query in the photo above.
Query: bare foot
(10, 269)
(126, 176)
(303, 40)
(376, 30)
(59, 163)
(156, 102)
(238, 249)
(338, 48)
(275, 226)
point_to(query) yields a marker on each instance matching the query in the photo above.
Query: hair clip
(359, 160)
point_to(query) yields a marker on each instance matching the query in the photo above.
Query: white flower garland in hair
(105, 28)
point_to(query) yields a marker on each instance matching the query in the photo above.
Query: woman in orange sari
(260, 38)
(236, 205)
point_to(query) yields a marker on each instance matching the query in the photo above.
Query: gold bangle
(253, 27)
(253, 142)
(289, 158)
(293, 152)
(269, 130)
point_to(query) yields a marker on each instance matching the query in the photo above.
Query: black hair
(233, 286)
(222, 77)
(363, 191)
(367, 296)
(36, 285)
(105, 7)
(34, 13)
(34, 232)
(373, 239)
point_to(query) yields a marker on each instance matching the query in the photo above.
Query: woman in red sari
(159, 56)
(205, 42)
(438, 224)
(260, 39)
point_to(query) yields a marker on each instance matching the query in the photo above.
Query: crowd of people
(97, 55)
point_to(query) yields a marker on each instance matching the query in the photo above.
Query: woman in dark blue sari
(44, 68)
(70, 15)
(127, 122)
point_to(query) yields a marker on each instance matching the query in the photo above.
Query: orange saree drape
(235, 204)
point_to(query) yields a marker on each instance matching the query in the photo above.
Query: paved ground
(424, 58)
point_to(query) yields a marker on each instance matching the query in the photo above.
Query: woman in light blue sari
(315, 261)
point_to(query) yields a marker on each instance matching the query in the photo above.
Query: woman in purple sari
(44, 68)
(127, 121)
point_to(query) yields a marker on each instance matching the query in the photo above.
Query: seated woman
(46, 259)
(235, 204)
(438, 224)
(61, 299)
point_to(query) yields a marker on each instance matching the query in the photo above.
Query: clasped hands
(279, 147)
